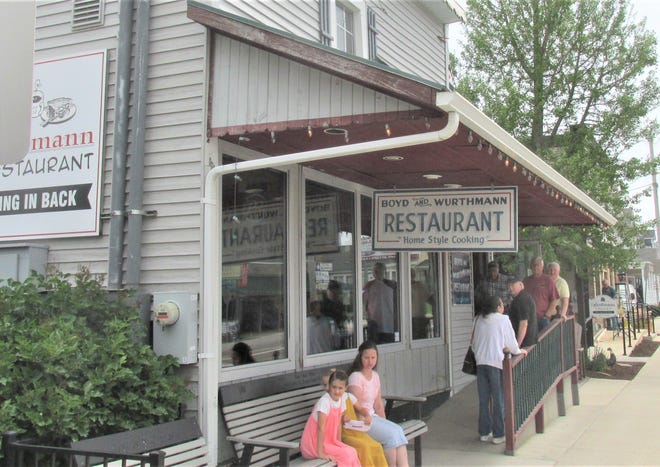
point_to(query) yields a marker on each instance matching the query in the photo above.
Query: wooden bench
(178, 443)
(267, 430)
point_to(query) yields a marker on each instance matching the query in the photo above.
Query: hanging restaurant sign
(465, 219)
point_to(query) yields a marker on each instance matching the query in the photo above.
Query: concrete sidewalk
(616, 423)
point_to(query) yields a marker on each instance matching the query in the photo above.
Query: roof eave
(477, 121)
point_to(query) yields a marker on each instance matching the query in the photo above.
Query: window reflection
(380, 296)
(424, 295)
(329, 222)
(253, 264)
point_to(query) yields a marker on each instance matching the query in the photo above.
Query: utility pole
(655, 190)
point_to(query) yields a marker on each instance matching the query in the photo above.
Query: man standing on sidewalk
(562, 288)
(523, 314)
(544, 292)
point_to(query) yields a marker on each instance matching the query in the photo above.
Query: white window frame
(273, 367)
(359, 10)
(329, 358)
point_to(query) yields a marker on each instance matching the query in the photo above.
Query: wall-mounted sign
(466, 219)
(55, 191)
(602, 306)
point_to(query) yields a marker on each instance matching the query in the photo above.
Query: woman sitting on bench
(364, 383)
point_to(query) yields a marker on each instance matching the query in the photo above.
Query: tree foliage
(574, 80)
(72, 365)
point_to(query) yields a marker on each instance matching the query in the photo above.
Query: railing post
(539, 420)
(561, 402)
(562, 348)
(509, 412)
(575, 391)
(157, 459)
(8, 452)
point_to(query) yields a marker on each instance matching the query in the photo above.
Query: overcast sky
(649, 9)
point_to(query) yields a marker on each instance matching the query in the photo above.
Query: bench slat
(192, 453)
(276, 398)
(184, 447)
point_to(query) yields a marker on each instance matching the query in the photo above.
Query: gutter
(210, 338)
(477, 121)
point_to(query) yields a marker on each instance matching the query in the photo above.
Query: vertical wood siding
(252, 86)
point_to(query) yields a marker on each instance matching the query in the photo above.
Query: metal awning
(480, 153)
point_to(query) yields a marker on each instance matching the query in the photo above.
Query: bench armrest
(405, 398)
(250, 443)
(390, 399)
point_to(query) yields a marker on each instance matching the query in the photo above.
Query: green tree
(574, 81)
(72, 364)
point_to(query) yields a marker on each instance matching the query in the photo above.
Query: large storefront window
(254, 281)
(424, 307)
(330, 268)
(380, 295)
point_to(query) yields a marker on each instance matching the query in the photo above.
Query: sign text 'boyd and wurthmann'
(466, 219)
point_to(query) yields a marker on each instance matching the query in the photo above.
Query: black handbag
(469, 362)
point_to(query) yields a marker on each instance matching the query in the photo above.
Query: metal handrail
(529, 380)
(14, 455)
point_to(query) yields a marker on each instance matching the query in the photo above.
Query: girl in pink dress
(322, 434)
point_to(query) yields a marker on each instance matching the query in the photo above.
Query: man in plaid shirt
(496, 285)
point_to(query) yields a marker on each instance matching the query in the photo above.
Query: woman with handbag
(493, 335)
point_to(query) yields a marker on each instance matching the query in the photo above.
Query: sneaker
(485, 438)
(498, 439)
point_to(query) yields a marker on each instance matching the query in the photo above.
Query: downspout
(209, 325)
(136, 173)
(119, 145)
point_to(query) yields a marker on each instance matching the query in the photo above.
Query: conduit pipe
(209, 325)
(136, 172)
(120, 145)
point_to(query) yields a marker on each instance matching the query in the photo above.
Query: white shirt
(492, 333)
(326, 402)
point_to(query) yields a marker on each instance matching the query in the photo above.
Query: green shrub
(72, 363)
(598, 362)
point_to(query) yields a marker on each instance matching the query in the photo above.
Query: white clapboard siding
(252, 86)
(299, 17)
(173, 138)
(421, 53)
(461, 331)
(427, 375)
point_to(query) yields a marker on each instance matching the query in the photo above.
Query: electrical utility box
(174, 317)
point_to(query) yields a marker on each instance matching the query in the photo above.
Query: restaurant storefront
(368, 174)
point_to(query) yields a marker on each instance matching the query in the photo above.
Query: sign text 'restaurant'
(467, 219)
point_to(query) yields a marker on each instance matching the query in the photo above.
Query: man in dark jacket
(523, 313)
